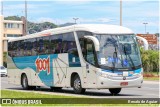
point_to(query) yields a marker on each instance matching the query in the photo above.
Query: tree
(34, 27)
(150, 60)
(17, 18)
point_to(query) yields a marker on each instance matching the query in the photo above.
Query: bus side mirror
(95, 41)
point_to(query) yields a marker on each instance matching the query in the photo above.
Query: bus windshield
(118, 51)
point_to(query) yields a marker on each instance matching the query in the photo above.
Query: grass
(17, 94)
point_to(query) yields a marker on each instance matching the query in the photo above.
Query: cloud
(19, 8)
(70, 20)
(95, 20)
(52, 20)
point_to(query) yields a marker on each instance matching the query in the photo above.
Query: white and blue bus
(82, 56)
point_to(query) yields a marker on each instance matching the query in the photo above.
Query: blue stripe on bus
(29, 61)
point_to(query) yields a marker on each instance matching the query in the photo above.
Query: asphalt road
(149, 89)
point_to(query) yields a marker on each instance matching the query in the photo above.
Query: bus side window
(55, 44)
(15, 48)
(10, 49)
(82, 44)
(46, 41)
(34, 47)
(21, 47)
(52, 44)
(65, 43)
(29, 47)
(90, 52)
(58, 48)
(71, 44)
(40, 47)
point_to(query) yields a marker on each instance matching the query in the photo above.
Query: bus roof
(94, 28)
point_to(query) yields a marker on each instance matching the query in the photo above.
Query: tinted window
(46, 46)
(90, 52)
(10, 49)
(20, 49)
(56, 44)
(33, 47)
(27, 47)
(40, 47)
(69, 43)
(81, 38)
(14, 51)
(81, 34)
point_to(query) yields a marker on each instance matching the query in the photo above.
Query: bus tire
(114, 91)
(24, 83)
(77, 85)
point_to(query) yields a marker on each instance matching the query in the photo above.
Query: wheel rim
(77, 84)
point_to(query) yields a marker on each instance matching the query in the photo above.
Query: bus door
(89, 56)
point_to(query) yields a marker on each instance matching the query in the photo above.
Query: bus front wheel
(24, 83)
(77, 85)
(114, 91)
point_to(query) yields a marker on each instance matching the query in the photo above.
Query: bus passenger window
(46, 44)
(34, 47)
(90, 52)
(21, 47)
(40, 48)
(52, 44)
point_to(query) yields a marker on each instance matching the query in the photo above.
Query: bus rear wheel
(77, 85)
(114, 91)
(24, 83)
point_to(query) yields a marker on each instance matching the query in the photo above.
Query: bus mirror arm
(95, 41)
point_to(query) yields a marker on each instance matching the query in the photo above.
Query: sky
(134, 12)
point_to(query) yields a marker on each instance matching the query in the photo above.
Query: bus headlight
(105, 75)
(138, 74)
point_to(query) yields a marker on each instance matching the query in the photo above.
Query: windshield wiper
(120, 52)
(114, 59)
(125, 52)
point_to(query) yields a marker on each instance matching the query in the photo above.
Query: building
(151, 39)
(9, 29)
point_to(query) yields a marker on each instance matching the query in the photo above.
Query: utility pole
(145, 27)
(120, 12)
(75, 19)
(26, 27)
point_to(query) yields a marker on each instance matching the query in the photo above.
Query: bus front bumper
(104, 83)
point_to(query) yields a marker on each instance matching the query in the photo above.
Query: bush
(5, 59)
(150, 60)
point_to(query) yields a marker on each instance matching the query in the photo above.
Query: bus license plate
(124, 83)
(125, 74)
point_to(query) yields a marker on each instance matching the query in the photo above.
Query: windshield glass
(118, 51)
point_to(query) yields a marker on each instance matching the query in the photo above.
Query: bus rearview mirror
(95, 41)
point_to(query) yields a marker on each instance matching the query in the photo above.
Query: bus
(81, 56)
